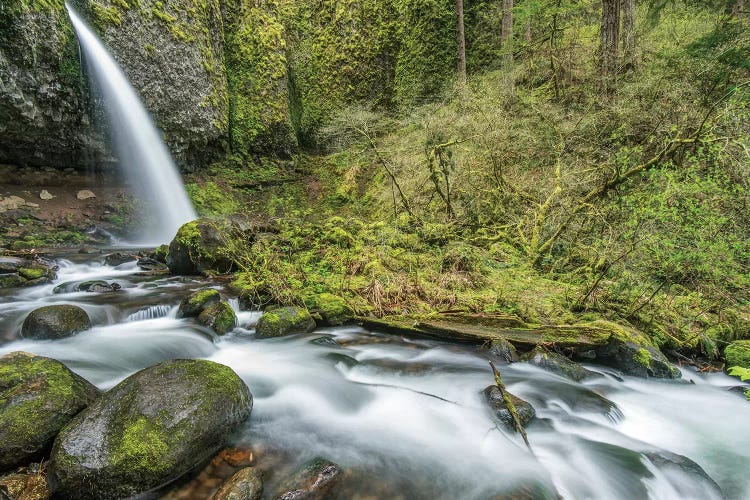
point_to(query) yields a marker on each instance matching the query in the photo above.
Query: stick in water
(511, 407)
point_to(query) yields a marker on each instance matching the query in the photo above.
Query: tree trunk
(461, 46)
(610, 34)
(506, 33)
(628, 34)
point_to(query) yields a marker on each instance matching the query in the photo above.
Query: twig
(511, 407)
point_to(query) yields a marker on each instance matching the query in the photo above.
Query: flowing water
(405, 417)
(142, 155)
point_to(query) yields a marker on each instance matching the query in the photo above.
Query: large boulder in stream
(55, 322)
(500, 410)
(312, 481)
(199, 245)
(148, 430)
(284, 321)
(219, 317)
(556, 363)
(38, 396)
(194, 304)
(332, 309)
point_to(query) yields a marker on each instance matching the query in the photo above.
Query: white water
(406, 416)
(142, 155)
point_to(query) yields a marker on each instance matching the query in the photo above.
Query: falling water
(142, 155)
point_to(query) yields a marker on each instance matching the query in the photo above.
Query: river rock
(148, 430)
(284, 321)
(556, 363)
(502, 351)
(219, 317)
(333, 310)
(118, 258)
(148, 264)
(196, 302)
(312, 481)
(85, 194)
(196, 247)
(666, 461)
(245, 484)
(500, 411)
(45, 195)
(55, 322)
(633, 354)
(16, 272)
(38, 396)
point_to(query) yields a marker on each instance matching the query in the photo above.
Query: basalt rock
(500, 410)
(314, 480)
(55, 322)
(148, 430)
(556, 363)
(284, 321)
(198, 245)
(502, 351)
(219, 317)
(38, 396)
(17, 272)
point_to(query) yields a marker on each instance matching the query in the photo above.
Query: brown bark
(506, 32)
(610, 34)
(461, 45)
(628, 33)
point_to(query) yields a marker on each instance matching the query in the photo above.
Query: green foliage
(211, 199)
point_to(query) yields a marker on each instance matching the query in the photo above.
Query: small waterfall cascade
(142, 155)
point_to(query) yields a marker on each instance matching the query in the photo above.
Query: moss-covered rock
(55, 322)
(500, 411)
(333, 310)
(245, 484)
(38, 396)
(148, 430)
(284, 321)
(631, 352)
(117, 258)
(161, 253)
(314, 480)
(16, 272)
(738, 353)
(196, 302)
(219, 317)
(201, 245)
(556, 363)
(502, 351)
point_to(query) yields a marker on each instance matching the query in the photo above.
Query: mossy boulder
(55, 322)
(18, 272)
(148, 430)
(196, 302)
(556, 363)
(38, 396)
(738, 353)
(161, 253)
(502, 351)
(333, 310)
(500, 410)
(633, 353)
(219, 317)
(284, 321)
(314, 480)
(245, 484)
(117, 258)
(200, 245)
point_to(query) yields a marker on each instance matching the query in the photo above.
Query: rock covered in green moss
(556, 363)
(200, 245)
(55, 322)
(196, 302)
(148, 430)
(16, 272)
(284, 321)
(160, 254)
(219, 317)
(313, 480)
(633, 353)
(500, 411)
(117, 258)
(738, 353)
(245, 484)
(502, 351)
(333, 310)
(38, 396)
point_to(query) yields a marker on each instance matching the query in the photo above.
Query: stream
(406, 418)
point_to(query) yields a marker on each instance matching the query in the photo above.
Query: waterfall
(142, 155)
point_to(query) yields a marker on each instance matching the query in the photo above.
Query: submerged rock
(149, 429)
(667, 461)
(118, 258)
(38, 396)
(245, 484)
(312, 481)
(556, 363)
(333, 310)
(55, 322)
(219, 317)
(284, 321)
(500, 411)
(196, 302)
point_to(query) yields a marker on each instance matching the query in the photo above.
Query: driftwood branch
(511, 407)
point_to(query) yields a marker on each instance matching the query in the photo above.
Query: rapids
(404, 416)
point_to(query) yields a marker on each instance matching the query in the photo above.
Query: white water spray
(142, 155)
